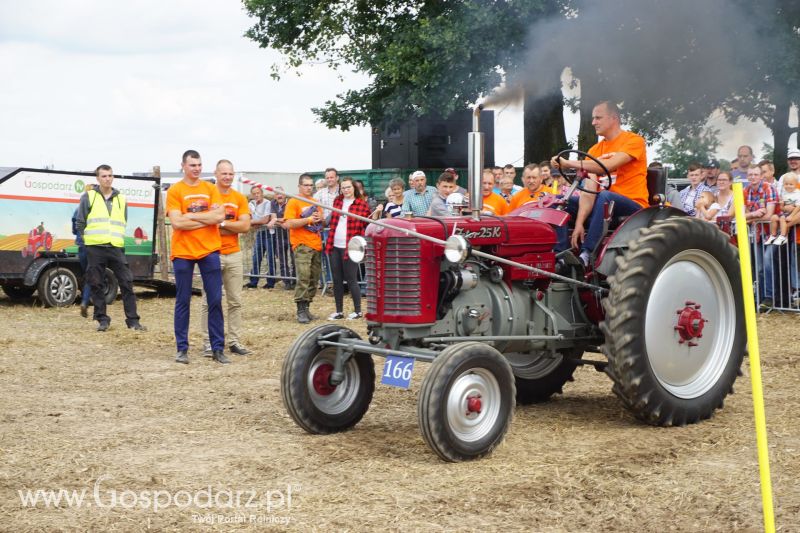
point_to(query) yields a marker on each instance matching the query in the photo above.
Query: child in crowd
(721, 204)
(789, 211)
(394, 201)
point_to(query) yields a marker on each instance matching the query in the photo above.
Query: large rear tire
(674, 325)
(466, 402)
(315, 405)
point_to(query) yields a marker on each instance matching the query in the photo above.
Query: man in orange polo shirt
(493, 203)
(534, 188)
(305, 223)
(237, 220)
(624, 155)
(195, 209)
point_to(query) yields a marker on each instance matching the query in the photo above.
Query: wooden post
(161, 229)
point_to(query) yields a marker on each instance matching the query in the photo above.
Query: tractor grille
(400, 277)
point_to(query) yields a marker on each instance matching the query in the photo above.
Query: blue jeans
(211, 272)
(763, 257)
(262, 245)
(623, 206)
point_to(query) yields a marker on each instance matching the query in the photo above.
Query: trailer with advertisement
(38, 254)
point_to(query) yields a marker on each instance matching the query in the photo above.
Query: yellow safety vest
(102, 227)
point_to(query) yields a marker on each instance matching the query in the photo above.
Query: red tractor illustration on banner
(37, 238)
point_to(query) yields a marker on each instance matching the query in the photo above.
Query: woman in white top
(723, 201)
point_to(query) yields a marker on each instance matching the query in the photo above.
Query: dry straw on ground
(79, 406)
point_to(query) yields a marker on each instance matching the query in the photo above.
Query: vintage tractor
(504, 319)
(37, 239)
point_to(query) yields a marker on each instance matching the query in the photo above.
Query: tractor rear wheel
(466, 402)
(674, 322)
(315, 405)
(539, 377)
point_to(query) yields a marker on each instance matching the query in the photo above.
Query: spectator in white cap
(793, 159)
(417, 200)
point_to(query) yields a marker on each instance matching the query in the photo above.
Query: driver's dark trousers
(623, 207)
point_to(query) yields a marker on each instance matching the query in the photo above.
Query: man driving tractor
(623, 154)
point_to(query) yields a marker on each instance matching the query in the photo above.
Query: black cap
(712, 163)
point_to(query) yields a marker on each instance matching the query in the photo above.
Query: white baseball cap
(417, 174)
(793, 154)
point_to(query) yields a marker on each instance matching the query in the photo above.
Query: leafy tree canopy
(688, 145)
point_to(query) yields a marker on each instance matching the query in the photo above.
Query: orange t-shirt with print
(235, 206)
(631, 178)
(496, 204)
(525, 197)
(296, 208)
(198, 198)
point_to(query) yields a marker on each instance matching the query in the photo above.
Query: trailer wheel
(466, 402)
(674, 323)
(315, 405)
(18, 292)
(58, 287)
(539, 377)
(111, 287)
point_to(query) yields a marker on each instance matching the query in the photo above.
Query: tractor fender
(617, 244)
(40, 264)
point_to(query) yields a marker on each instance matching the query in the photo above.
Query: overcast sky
(134, 84)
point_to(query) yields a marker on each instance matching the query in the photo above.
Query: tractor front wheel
(674, 324)
(312, 401)
(466, 402)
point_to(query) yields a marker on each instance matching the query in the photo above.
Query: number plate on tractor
(397, 371)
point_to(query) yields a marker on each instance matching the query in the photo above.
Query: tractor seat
(656, 184)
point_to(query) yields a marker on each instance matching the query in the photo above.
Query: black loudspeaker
(431, 142)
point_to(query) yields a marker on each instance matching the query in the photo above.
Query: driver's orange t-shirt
(631, 178)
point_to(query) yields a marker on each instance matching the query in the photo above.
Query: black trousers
(344, 270)
(100, 258)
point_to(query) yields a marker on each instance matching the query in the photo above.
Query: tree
(423, 57)
(687, 146)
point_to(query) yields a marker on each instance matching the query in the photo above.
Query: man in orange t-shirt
(534, 187)
(624, 155)
(237, 220)
(305, 223)
(194, 208)
(493, 203)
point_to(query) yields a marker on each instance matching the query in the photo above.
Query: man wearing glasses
(304, 222)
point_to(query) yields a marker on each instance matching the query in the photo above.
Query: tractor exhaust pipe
(475, 164)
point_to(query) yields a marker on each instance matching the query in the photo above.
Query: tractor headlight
(456, 249)
(357, 249)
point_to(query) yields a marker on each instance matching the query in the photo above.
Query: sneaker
(249, 286)
(84, 311)
(770, 240)
(238, 349)
(207, 351)
(102, 326)
(137, 327)
(335, 316)
(780, 241)
(766, 304)
(584, 257)
(354, 315)
(182, 357)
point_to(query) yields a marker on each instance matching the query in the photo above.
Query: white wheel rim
(466, 425)
(344, 395)
(690, 371)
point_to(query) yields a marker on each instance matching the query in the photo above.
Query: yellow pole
(555, 186)
(755, 360)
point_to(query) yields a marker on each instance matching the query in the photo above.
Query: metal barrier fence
(777, 281)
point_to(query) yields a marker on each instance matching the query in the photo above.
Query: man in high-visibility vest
(101, 219)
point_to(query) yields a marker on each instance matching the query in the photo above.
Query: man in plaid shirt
(417, 200)
(760, 200)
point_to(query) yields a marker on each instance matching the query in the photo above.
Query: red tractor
(37, 238)
(504, 319)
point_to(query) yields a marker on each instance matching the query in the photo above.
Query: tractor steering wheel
(572, 174)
